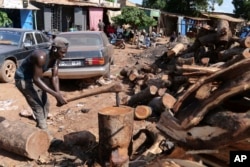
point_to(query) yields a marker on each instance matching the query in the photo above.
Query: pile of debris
(200, 92)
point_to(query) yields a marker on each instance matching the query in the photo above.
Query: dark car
(15, 45)
(89, 55)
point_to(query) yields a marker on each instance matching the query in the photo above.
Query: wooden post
(23, 139)
(115, 135)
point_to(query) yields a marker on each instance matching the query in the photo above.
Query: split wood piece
(242, 55)
(223, 74)
(187, 61)
(190, 68)
(219, 129)
(196, 110)
(158, 139)
(115, 135)
(143, 97)
(142, 140)
(23, 139)
(176, 50)
(142, 111)
(115, 87)
(245, 42)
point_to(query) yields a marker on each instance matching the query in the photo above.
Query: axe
(115, 87)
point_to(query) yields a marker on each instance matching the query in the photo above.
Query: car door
(28, 45)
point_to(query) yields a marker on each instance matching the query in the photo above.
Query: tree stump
(115, 135)
(23, 139)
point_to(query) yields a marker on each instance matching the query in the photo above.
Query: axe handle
(116, 87)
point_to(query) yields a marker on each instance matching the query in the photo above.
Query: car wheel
(7, 72)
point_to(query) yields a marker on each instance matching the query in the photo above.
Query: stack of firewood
(200, 92)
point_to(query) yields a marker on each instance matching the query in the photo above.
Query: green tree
(187, 7)
(135, 17)
(154, 4)
(242, 8)
(5, 21)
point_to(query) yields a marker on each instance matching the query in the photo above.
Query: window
(39, 39)
(29, 40)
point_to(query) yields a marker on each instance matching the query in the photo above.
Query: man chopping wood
(29, 79)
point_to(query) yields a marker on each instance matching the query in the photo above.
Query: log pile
(200, 92)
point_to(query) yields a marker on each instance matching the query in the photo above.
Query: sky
(226, 7)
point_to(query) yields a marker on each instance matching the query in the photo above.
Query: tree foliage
(5, 21)
(154, 4)
(242, 8)
(187, 7)
(135, 17)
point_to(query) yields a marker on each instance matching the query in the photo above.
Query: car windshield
(10, 37)
(83, 39)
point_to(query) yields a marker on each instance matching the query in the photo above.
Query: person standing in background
(101, 25)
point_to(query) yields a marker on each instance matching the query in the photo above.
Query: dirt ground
(76, 116)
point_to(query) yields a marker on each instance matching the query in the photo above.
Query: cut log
(143, 97)
(81, 138)
(168, 100)
(245, 42)
(23, 139)
(142, 111)
(133, 74)
(156, 105)
(115, 135)
(176, 50)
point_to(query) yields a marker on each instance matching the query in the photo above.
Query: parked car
(15, 45)
(89, 55)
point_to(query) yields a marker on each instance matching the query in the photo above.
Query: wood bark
(219, 129)
(23, 139)
(191, 110)
(115, 135)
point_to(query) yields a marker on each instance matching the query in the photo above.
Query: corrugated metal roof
(77, 3)
(30, 7)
